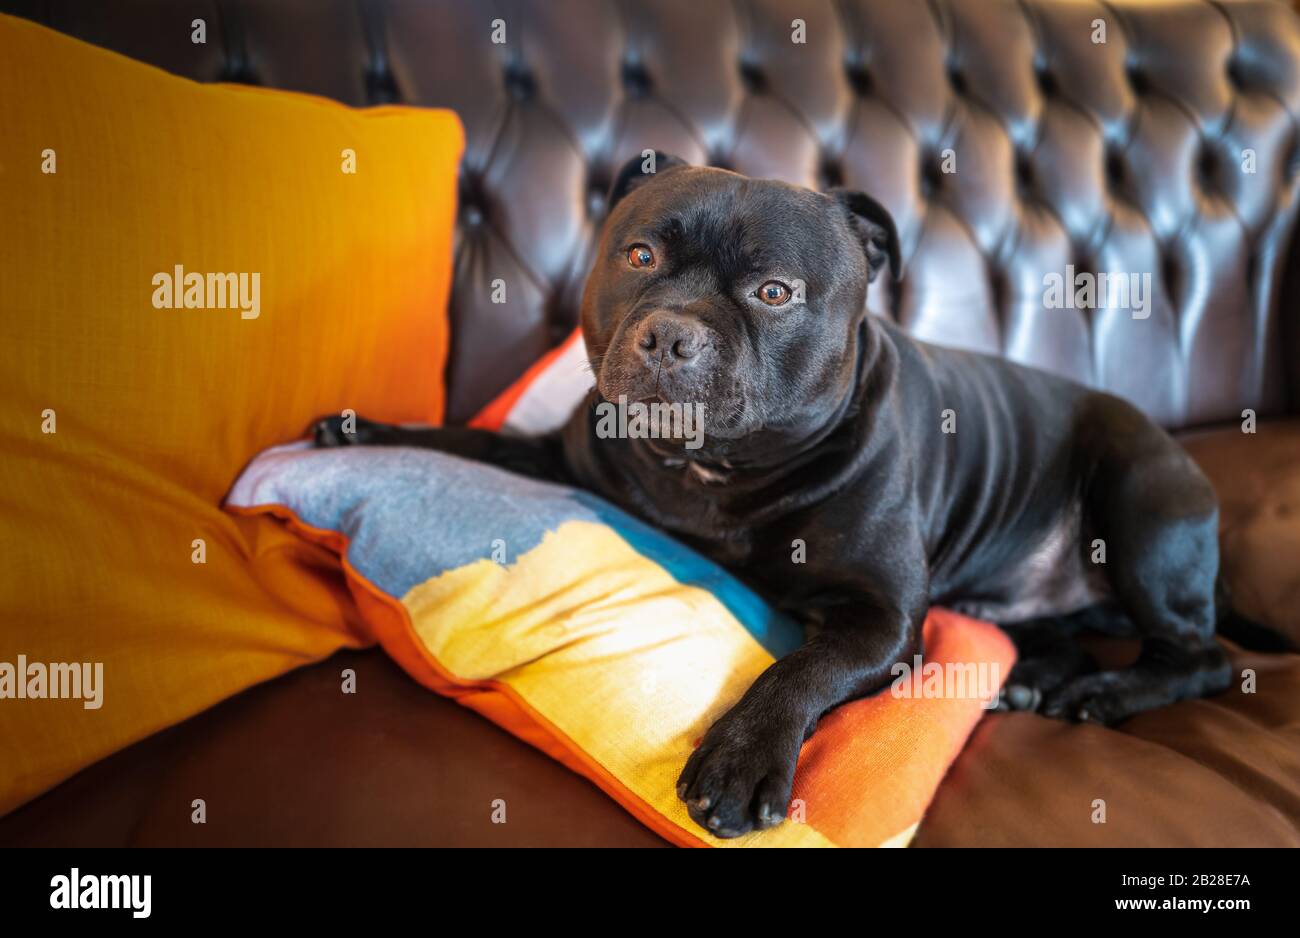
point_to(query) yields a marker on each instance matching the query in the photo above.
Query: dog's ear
(638, 171)
(875, 229)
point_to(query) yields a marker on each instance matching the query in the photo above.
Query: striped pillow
(602, 641)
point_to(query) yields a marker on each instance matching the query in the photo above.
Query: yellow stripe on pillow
(628, 663)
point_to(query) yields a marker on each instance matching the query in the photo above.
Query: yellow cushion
(155, 407)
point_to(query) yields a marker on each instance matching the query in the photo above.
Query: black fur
(825, 426)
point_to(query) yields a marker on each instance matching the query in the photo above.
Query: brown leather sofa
(1127, 154)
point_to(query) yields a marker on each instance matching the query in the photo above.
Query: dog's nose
(668, 339)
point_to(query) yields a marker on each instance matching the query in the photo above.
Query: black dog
(907, 474)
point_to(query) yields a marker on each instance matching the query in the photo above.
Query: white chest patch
(706, 475)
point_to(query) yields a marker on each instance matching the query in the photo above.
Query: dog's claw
(769, 817)
(328, 432)
(1023, 697)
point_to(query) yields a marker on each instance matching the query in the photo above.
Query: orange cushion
(112, 174)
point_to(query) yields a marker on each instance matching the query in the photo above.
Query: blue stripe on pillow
(776, 632)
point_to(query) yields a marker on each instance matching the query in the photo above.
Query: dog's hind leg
(1158, 517)
(1047, 655)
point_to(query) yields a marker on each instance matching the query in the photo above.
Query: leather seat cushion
(295, 762)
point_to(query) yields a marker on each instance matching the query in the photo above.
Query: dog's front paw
(740, 778)
(343, 431)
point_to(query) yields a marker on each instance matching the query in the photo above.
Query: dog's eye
(641, 257)
(774, 293)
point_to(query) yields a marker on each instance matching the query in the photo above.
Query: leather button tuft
(1207, 165)
(1047, 85)
(520, 82)
(931, 176)
(381, 87)
(636, 80)
(956, 79)
(752, 77)
(859, 78)
(240, 72)
(830, 174)
(1169, 277)
(1137, 78)
(471, 199)
(1115, 174)
(1025, 179)
(1236, 77)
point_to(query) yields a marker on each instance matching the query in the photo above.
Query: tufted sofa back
(1013, 141)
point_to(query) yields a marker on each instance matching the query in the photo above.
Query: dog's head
(741, 295)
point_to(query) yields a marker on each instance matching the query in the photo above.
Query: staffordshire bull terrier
(911, 474)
